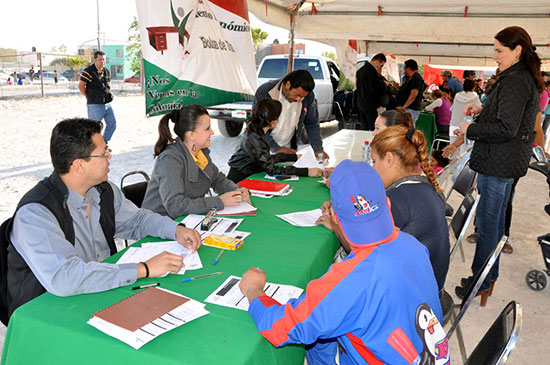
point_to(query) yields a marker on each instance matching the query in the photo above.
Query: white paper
(302, 219)
(186, 312)
(229, 295)
(223, 226)
(308, 160)
(133, 255)
(243, 207)
(291, 178)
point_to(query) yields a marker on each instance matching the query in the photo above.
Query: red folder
(264, 187)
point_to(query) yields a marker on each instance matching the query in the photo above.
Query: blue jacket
(309, 117)
(381, 299)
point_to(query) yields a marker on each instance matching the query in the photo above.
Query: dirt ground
(26, 126)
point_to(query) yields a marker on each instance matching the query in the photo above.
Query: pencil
(218, 257)
(202, 276)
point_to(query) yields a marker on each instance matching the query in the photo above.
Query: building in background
(117, 61)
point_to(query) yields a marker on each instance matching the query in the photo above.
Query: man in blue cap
(380, 305)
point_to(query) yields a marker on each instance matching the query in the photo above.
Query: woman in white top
(463, 98)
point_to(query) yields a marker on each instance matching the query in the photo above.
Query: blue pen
(218, 257)
(202, 276)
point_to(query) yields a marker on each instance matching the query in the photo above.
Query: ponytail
(165, 136)
(419, 141)
(264, 113)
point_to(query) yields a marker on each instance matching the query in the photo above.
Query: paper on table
(244, 208)
(291, 178)
(302, 219)
(229, 295)
(186, 312)
(308, 160)
(191, 260)
(223, 226)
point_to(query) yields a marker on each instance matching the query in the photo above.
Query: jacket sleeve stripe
(316, 291)
(363, 350)
(268, 301)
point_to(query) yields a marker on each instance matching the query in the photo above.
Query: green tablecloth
(52, 329)
(426, 123)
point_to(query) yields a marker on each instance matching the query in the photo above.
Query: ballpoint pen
(202, 276)
(218, 257)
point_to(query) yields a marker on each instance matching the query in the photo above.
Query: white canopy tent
(451, 32)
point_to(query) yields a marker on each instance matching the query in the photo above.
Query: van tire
(230, 128)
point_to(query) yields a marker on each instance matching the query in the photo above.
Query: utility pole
(98, 35)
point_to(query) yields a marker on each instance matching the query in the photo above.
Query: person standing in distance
(95, 85)
(370, 88)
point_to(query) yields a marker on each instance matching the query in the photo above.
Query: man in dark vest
(95, 85)
(370, 88)
(64, 227)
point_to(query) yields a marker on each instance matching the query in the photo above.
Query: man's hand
(285, 150)
(161, 265)
(189, 238)
(253, 283)
(325, 207)
(321, 155)
(326, 220)
(328, 171)
(471, 108)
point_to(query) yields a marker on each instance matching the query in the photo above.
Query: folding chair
(135, 192)
(450, 169)
(499, 341)
(461, 221)
(464, 181)
(469, 297)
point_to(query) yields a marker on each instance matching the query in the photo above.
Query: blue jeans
(415, 114)
(103, 111)
(490, 218)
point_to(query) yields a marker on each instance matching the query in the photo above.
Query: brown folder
(141, 308)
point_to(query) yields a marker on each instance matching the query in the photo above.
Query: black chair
(499, 341)
(135, 192)
(470, 295)
(461, 221)
(464, 181)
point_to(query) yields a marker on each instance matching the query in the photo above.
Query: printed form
(229, 295)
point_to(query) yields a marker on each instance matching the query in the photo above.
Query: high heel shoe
(465, 283)
(485, 294)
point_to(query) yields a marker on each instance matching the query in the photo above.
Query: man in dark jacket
(295, 92)
(370, 88)
(95, 85)
(64, 227)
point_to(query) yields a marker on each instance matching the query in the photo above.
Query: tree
(134, 49)
(60, 61)
(61, 49)
(76, 63)
(331, 55)
(258, 37)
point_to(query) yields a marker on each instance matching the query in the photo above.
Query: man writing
(295, 92)
(95, 85)
(370, 88)
(409, 95)
(381, 297)
(64, 227)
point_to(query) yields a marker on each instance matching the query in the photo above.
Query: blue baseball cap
(359, 202)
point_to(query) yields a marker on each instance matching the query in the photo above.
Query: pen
(238, 194)
(202, 276)
(145, 286)
(218, 257)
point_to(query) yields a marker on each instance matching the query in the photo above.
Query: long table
(426, 123)
(52, 329)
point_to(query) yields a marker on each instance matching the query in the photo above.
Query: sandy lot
(26, 126)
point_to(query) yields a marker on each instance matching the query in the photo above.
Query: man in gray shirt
(64, 227)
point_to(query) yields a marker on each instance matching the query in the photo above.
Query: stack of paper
(302, 219)
(191, 261)
(244, 208)
(146, 315)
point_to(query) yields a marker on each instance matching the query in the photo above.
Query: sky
(46, 24)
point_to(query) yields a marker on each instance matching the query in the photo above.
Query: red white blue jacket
(381, 304)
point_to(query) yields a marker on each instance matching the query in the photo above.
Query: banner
(187, 57)
(432, 76)
(346, 51)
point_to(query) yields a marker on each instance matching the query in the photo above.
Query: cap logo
(362, 206)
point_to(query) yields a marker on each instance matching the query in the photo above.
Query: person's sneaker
(472, 238)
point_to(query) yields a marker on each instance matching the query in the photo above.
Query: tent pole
(293, 13)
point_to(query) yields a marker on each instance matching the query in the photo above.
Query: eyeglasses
(106, 154)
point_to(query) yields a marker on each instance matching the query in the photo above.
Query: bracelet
(146, 269)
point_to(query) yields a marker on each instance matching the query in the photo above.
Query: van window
(276, 68)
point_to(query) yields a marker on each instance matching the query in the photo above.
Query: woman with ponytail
(252, 154)
(417, 204)
(184, 173)
(503, 136)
